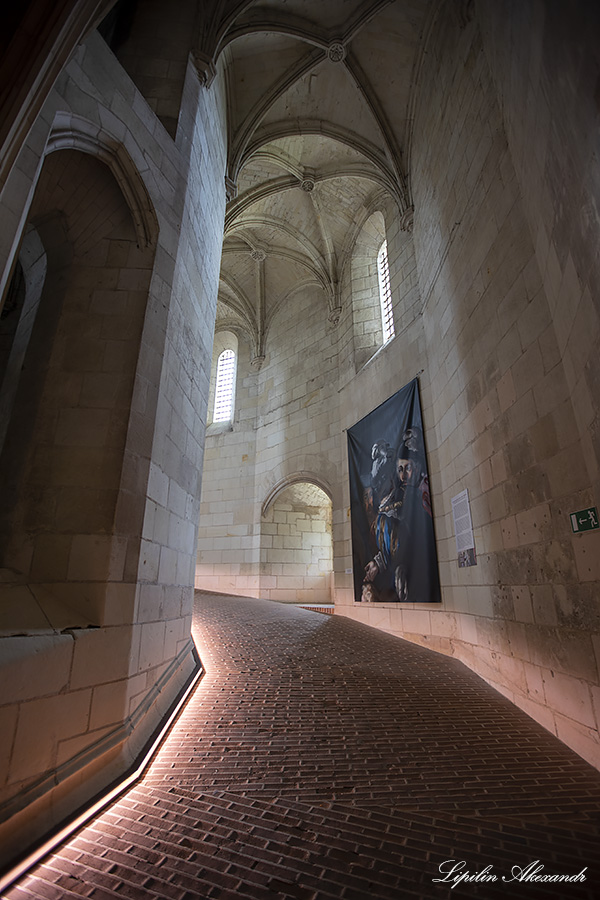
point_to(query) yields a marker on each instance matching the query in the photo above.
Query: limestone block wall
(500, 409)
(29, 68)
(345, 332)
(286, 425)
(362, 389)
(298, 434)
(551, 131)
(228, 551)
(289, 428)
(297, 425)
(182, 349)
(155, 54)
(19, 314)
(97, 644)
(360, 333)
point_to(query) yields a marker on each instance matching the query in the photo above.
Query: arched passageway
(296, 550)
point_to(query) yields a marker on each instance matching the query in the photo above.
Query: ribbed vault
(316, 137)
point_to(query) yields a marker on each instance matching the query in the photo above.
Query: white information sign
(463, 530)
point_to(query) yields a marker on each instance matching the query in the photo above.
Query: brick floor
(320, 758)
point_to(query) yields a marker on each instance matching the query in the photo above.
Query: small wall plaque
(463, 530)
(585, 519)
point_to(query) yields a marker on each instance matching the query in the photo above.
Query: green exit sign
(585, 519)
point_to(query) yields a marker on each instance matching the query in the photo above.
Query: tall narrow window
(385, 294)
(224, 386)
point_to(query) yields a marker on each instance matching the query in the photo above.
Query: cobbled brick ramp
(321, 758)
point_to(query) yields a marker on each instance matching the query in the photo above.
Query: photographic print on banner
(393, 542)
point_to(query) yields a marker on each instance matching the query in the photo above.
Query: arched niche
(66, 401)
(296, 546)
(70, 132)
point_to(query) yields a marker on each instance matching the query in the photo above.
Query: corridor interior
(318, 204)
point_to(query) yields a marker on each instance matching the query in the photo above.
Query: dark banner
(393, 544)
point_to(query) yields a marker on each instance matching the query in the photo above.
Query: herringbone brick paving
(319, 758)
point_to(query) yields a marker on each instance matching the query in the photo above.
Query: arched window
(385, 294)
(224, 387)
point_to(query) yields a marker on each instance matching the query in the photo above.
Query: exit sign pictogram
(585, 519)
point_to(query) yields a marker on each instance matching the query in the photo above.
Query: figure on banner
(413, 438)
(369, 593)
(403, 520)
(380, 484)
(382, 471)
(382, 467)
(393, 542)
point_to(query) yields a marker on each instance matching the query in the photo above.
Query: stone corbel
(407, 219)
(230, 189)
(335, 315)
(205, 68)
(256, 363)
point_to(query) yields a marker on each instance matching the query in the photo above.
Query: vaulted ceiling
(319, 112)
(320, 97)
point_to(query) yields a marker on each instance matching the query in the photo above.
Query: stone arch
(295, 478)
(296, 541)
(76, 133)
(61, 471)
(29, 68)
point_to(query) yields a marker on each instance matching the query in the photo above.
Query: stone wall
(97, 588)
(551, 128)
(285, 429)
(494, 308)
(228, 550)
(155, 54)
(508, 377)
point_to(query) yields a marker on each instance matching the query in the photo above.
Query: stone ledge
(42, 809)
